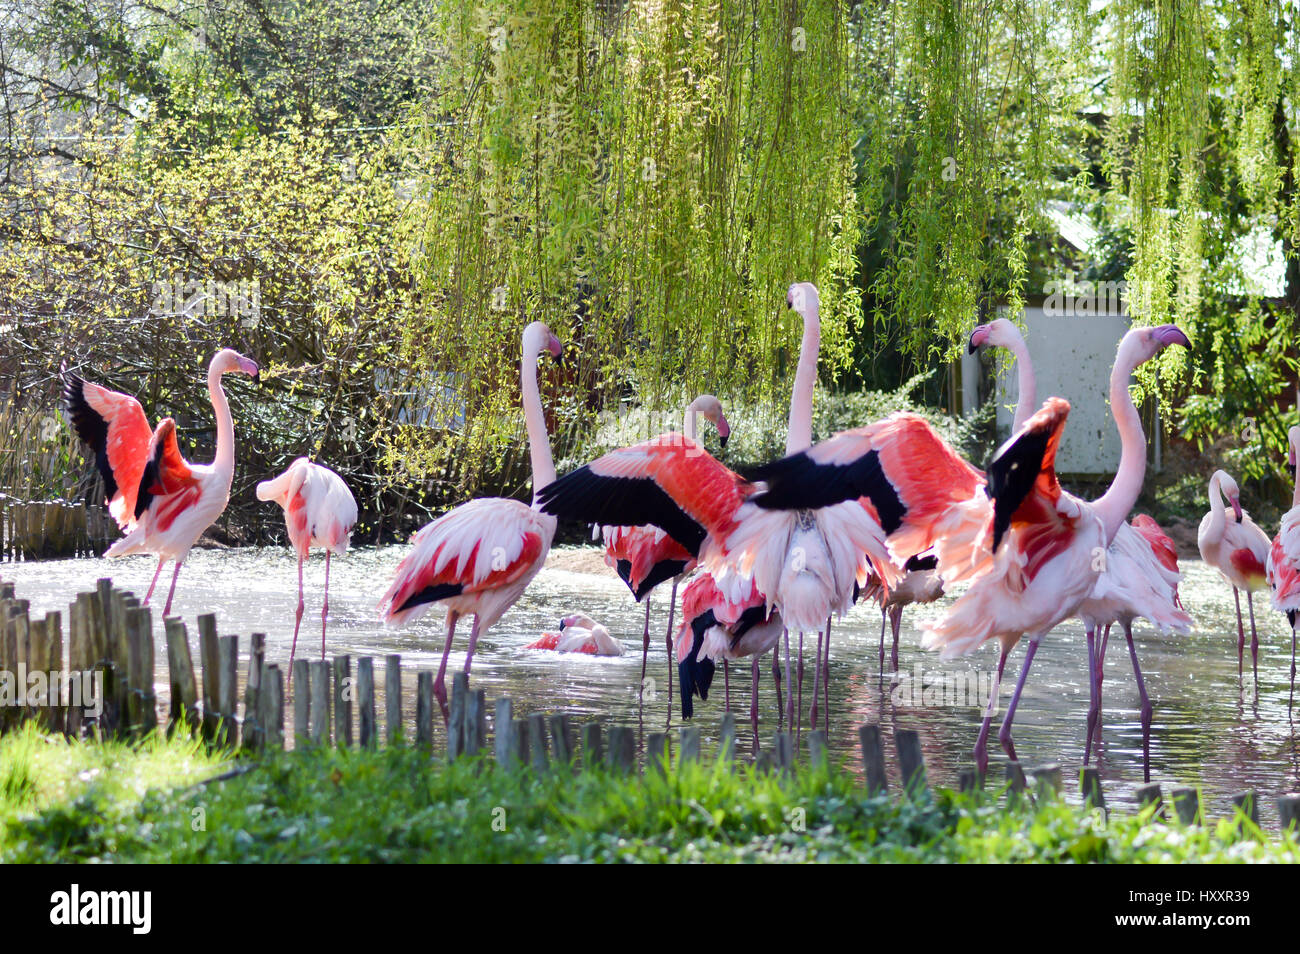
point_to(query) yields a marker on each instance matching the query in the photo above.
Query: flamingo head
(1228, 487)
(1293, 441)
(1159, 337)
(1000, 333)
(230, 361)
(577, 619)
(803, 298)
(711, 409)
(538, 338)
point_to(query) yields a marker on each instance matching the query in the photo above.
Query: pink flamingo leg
(156, 573)
(982, 740)
(1254, 639)
(1241, 632)
(325, 607)
(1004, 734)
(672, 610)
(798, 726)
(167, 610)
(1094, 704)
(1146, 704)
(753, 700)
(1290, 705)
(297, 620)
(789, 694)
(440, 684)
(726, 678)
(776, 681)
(884, 620)
(473, 643)
(645, 655)
(826, 678)
(817, 683)
(1101, 659)
(896, 621)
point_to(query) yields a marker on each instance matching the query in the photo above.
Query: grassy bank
(63, 801)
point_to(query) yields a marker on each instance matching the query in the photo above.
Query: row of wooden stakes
(44, 530)
(111, 634)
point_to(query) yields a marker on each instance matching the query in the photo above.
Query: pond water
(1208, 729)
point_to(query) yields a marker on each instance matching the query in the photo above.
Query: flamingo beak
(556, 349)
(249, 367)
(562, 622)
(724, 430)
(977, 338)
(1236, 508)
(1171, 335)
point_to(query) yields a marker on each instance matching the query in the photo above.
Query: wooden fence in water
(42, 530)
(111, 635)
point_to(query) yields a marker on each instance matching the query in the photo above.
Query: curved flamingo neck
(539, 442)
(690, 425)
(1123, 493)
(1027, 386)
(224, 462)
(1218, 519)
(799, 435)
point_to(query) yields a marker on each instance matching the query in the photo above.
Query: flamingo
(921, 583)
(925, 495)
(480, 557)
(730, 619)
(161, 501)
(1139, 577)
(580, 634)
(1283, 567)
(1238, 549)
(645, 556)
(319, 511)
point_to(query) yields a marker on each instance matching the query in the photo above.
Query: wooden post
(561, 739)
(1248, 805)
(210, 660)
(142, 713)
(180, 673)
(873, 759)
(270, 708)
(593, 752)
(656, 752)
(1015, 781)
(37, 652)
(1288, 809)
(78, 662)
(424, 709)
(252, 736)
(456, 715)
(1149, 794)
(393, 697)
(475, 721)
(228, 650)
(727, 738)
(622, 749)
(57, 690)
(1048, 781)
(367, 736)
(301, 678)
(969, 781)
(1090, 788)
(19, 627)
(521, 730)
(318, 727)
(690, 743)
(343, 701)
(537, 742)
(818, 751)
(1187, 805)
(507, 735)
(911, 761)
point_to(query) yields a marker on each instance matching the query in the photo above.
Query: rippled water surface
(1208, 730)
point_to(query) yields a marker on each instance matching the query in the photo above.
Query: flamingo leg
(440, 683)
(1101, 659)
(473, 643)
(884, 621)
(726, 679)
(167, 609)
(817, 683)
(640, 694)
(1146, 704)
(826, 677)
(789, 694)
(896, 621)
(1093, 702)
(1004, 734)
(325, 607)
(982, 740)
(798, 726)
(297, 620)
(1241, 631)
(776, 681)
(156, 573)
(672, 609)
(1254, 639)
(753, 700)
(1290, 705)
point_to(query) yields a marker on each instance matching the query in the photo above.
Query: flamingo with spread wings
(319, 511)
(480, 557)
(161, 501)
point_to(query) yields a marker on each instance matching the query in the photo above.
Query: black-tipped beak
(971, 346)
(257, 378)
(561, 625)
(722, 441)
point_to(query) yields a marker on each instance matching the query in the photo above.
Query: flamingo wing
(670, 482)
(1284, 563)
(1022, 475)
(1162, 546)
(114, 426)
(644, 557)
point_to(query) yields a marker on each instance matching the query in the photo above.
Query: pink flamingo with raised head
(1030, 549)
(1236, 547)
(480, 557)
(645, 556)
(161, 501)
(1283, 567)
(319, 511)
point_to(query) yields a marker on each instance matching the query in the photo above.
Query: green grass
(64, 801)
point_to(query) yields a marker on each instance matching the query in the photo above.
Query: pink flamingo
(580, 634)
(926, 497)
(480, 557)
(645, 556)
(921, 583)
(319, 511)
(1238, 549)
(161, 501)
(1283, 567)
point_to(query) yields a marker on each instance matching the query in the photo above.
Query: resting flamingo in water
(1237, 548)
(161, 501)
(1283, 565)
(1138, 578)
(580, 634)
(480, 557)
(319, 511)
(1030, 549)
(645, 556)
